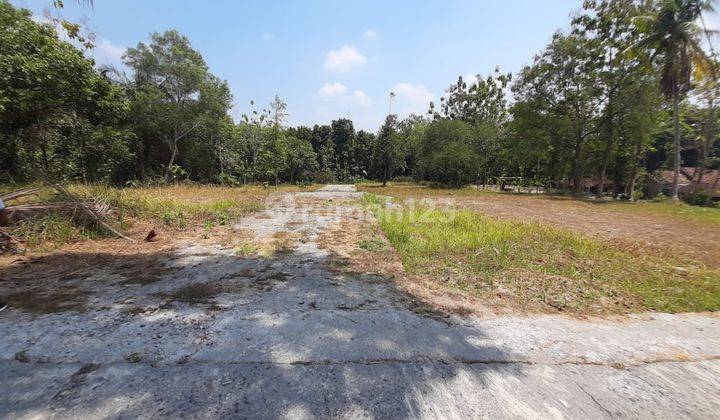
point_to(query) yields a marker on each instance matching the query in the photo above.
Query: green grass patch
(49, 231)
(536, 266)
(372, 245)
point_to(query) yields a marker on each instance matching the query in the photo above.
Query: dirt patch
(41, 301)
(194, 293)
(657, 233)
(379, 263)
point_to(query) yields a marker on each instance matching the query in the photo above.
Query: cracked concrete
(314, 343)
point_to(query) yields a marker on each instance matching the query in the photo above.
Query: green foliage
(57, 114)
(699, 198)
(453, 152)
(179, 99)
(587, 112)
(479, 101)
(388, 153)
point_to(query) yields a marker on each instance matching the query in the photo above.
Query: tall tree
(388, 154)
(673, 36)
(611, 24)
(56, 111)
(564, 88)
(182, 92)
(478, 101)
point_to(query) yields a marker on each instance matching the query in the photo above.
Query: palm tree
(674, 39)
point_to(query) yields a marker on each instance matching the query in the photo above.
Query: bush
(699, 198)
(455, 164)
(637, 195)
(323, 177)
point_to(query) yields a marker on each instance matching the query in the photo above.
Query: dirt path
(284, 336)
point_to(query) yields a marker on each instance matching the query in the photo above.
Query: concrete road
(289, 338)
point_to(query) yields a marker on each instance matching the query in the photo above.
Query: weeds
(174, 206)
(372, 245)
(535, 265)
(52, 230)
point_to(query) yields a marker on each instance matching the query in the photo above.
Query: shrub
(699, 198)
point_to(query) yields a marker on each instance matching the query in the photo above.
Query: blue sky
(331, 59)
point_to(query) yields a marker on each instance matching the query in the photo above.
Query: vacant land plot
(305, 310)
(173, 209)
(545, 254)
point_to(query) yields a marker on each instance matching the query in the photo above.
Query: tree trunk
(173, 154)
(608, 149)
(576, 173)
(706, 145)
(676, 146)
(603, 171)
(636, 163)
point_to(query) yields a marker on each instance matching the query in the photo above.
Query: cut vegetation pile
(537, 267)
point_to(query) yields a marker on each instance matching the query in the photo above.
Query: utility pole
(392, 96)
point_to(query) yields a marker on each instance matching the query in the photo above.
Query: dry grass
(539, 268)
(665, 228)
(173, 208)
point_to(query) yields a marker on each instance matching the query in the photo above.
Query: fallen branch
(98, 218)
(19, 193)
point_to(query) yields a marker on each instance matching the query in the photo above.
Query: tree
(387, 153)
(482, 101)
(674, 39)
(564, 89)
(611, 24)
(54, 106)
(343, 134)
(178, 91)
(360, 154)
(448, 153)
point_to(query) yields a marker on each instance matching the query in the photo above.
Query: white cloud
(362, 98)
(267, 36)
(338, 93)
(59, 29)
(106, 50)
(344, 60)
(370, 34)
(411, 99)
(330, 89)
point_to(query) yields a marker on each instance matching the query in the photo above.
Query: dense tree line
(626, 90)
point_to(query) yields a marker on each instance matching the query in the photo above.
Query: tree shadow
(268, 337)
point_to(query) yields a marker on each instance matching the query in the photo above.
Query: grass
(177, 206)
(372, 245)
(539, 267)
(677, 210)
(53, 230)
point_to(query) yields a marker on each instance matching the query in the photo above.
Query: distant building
(661, 182)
